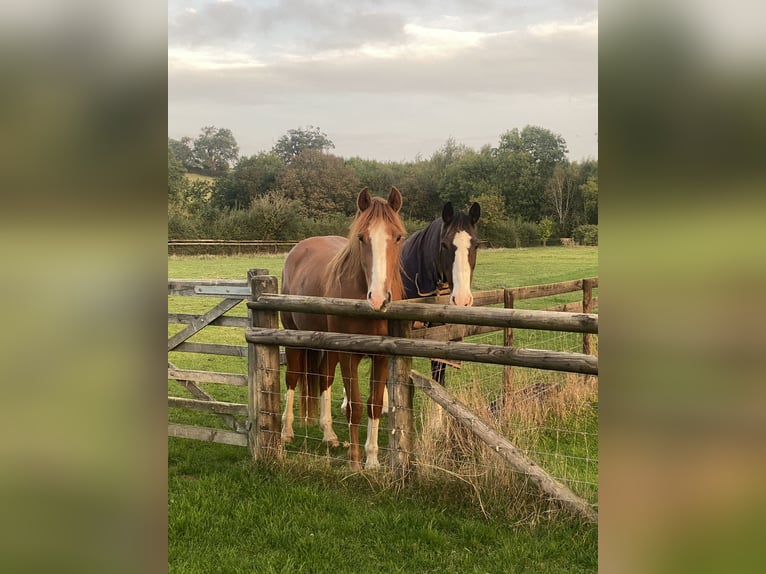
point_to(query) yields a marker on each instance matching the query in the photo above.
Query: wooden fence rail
(410, 311)
(380, 345)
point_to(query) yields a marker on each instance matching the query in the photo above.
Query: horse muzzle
(379, 303)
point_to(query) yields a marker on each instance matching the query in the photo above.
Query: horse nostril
(369, 294)
(388, 297)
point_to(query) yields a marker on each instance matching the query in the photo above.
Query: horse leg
(437, 371)
(349, 366)
(378, 376)
(327, 369)
(296, 369)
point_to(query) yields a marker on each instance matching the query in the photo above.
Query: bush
(331, 224)
(182, 226)
(528, 234)
(586, 234)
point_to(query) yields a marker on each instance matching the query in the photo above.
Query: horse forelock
(347, 264)
(460, 222)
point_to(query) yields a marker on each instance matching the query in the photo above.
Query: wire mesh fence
(550, 416)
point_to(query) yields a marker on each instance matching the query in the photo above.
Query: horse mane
(347, 263)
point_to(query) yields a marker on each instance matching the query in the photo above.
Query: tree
(290, 145)
(322, 182)
(545, 229)
(251, 178)
(376, 175)
(176, 177)
(516, 179)
(526, 161)
(589, 191)
(546, 148)
(182, 150)
(468, 176)
(215, 150)
(560, 193)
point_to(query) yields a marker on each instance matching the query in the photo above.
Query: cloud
(547, 58)
(385, 80)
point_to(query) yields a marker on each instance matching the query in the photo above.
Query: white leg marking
(287, 417)
(325, 418)
(371, 446)
(384, 410)
(344, 404)
(378, 239)
(461, 271)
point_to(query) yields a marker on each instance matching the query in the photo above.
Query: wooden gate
(233, 415)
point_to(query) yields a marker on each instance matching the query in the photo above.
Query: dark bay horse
(364, 266)
(441, 259)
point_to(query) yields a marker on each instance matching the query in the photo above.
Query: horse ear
(395, 199)
(447, 212)
(475, 213)
(364, 199)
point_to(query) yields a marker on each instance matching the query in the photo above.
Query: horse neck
(345, 270)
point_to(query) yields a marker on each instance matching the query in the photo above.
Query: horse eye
(398, 238)
(361, 238)
(444, 245)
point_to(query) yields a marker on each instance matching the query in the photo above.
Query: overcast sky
(385, 80)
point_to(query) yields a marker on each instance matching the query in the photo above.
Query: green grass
(227, 514)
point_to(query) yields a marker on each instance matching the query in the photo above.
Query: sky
(385, 80)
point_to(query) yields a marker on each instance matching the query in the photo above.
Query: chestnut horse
(440, 259)
(364, 266)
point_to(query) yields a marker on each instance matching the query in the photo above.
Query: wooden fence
(226, 247)
(261, 430)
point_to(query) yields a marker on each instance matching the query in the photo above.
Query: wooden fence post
(400, 412)
(263, 397)
(507, 342)
(587, 296)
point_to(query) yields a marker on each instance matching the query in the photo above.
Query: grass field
(228, 515)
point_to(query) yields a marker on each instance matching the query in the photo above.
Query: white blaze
(378, 239)
(287, 416)
(371, 446)
(461, 271)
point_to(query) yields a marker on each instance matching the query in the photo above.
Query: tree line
(528, 189)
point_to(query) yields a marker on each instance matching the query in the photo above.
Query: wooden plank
(204, 320)
(546, 290)
(207, 434)
(186, 286)
(480, 298)
(450, 332)
(228, 242)
(201, 394)
(212, 349)
(208, 377)
(222, 321)
(573, 307)
(215, 407)
(519, 461)
(520, 318)
(372, 344)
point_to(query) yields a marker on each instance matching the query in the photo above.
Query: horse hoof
(371, 465)
(287, 438)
